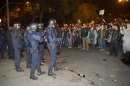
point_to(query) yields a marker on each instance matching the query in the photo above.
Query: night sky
(109, 5)
(102, 4)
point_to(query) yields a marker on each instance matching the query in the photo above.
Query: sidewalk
(9, 77)
(98, 68)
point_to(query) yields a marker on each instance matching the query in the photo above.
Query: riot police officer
(34, 38)
(52, 42)
(2, 42)
(16, 39)
(10, 44)
(41, 44)
(27, 46)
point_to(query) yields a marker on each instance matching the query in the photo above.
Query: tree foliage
(69, 11)
(64, 11)
(85, 12)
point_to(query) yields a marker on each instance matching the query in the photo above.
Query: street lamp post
(7, 10)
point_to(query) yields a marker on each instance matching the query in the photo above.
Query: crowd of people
(35, 37)
(87, 35)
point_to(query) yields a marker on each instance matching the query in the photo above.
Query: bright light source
(27, 2)
(123, 0)
(0, 20)
(17, 9)
(120, 0)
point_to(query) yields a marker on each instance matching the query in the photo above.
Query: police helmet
(33, 26)
(29, 29)
(52, 23)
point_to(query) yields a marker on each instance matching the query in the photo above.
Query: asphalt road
(78, 68)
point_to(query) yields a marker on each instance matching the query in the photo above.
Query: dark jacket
(115, 36)
(52, 35)
(84, 32)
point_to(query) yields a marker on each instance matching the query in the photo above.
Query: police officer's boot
(50, 73)
(32, 76)
(40, 72)
(55, 67)
(19, 69)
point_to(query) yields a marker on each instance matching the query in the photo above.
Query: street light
(123, 3)
(27, 2)
(0, 20)
(123, 0)
(120, 0)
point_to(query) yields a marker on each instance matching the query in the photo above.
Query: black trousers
(114, 48)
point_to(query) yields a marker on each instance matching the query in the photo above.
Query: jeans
(101, 43)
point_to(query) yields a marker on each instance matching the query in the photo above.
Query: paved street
(79, 68)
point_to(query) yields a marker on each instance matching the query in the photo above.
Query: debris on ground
(104, 59)
(97, 75)
(81, 75)
(92, 83)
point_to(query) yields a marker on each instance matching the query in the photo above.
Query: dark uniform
(10, 45)
(52, 42)
(27, 46)
(34, 39)
(16, 34)
(2, 42)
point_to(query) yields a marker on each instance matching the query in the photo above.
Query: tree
(69, 11)
(86, 12)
